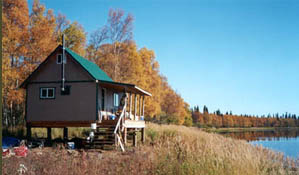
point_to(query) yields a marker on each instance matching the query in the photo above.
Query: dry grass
(169, 149)
(190, 151)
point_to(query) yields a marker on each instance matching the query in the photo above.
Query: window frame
(47, 93)
(60, 59)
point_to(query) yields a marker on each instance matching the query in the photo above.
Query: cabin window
(116, 100)
(59, 59)
(47, 93)
(67, 90)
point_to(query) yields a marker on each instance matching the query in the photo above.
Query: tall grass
(184, 150)
(168, 149)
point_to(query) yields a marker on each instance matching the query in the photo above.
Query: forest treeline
(29, 37)
(219, 120)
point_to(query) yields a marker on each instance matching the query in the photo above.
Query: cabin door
(103, 99)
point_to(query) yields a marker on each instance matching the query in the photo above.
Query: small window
(59, 59)
(44, 93)
(47, 93)
(116, 101)
(67, 90)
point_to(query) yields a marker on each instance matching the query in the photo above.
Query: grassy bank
(169, 149)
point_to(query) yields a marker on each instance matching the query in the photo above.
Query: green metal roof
(90, 67)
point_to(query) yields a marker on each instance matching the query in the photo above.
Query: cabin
(67, 90)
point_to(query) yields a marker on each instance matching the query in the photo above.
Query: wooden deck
(134, 124)
(59, 124)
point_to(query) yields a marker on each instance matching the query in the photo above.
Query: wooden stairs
(108, 133)
(104, 137)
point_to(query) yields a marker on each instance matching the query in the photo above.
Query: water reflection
(282, 140)
(274, 135)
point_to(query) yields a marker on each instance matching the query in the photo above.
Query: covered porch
(121, 106)
(116, 98)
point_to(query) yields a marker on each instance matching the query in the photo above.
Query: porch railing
(119, 128)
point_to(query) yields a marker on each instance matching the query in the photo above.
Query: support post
(49, 134)
(143, 106)
(125, 135)
(143, 135)
(28, 132)
(126, 109)
(97, 100)
(135, 108)
(135, 138)
(130, 105)
(140, 106)
(65, 133)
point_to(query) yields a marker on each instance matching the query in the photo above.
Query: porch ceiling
(121, 87)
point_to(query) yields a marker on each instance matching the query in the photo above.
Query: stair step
(103, 140)
(104, 134)
(108, 122)
(105, 131)
(106, 125)
(111, 129)
(103, 143)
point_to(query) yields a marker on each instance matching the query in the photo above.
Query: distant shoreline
(219, 130)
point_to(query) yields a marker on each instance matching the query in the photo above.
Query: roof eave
(129, 86)
(143, 91)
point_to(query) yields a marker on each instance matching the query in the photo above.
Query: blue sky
(239, 55)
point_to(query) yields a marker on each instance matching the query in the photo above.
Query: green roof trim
(90, 67)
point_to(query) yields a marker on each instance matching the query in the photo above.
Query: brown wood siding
(80, 105)
(51, 71)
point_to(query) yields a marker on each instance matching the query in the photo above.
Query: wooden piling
(28, 133)
(49, 134)
(65, 133)
(125, 135)
(135, 138)
(143, 135)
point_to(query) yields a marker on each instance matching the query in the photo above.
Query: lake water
(282, 140)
